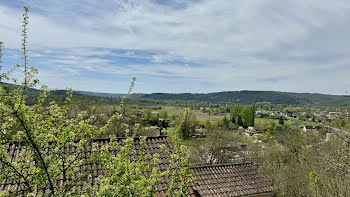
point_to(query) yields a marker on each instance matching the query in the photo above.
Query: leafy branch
(58, 151)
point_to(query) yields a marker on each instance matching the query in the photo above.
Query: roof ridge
(121, 138)
(219, 165)
(95, 140)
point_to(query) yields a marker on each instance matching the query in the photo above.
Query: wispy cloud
(202, 45)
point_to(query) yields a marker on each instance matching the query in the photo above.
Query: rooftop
(220, 180)
(229, 180)
(152, 146)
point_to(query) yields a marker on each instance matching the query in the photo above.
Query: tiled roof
(217, 180)
(153, 145)
(229, 180)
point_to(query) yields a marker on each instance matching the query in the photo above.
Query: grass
(263, 121)
(200, 116)
(205, 116)
(267, 121)
(301, 122)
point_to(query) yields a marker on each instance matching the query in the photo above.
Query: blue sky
(183, 45)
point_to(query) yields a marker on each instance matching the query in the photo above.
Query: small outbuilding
(250, 131)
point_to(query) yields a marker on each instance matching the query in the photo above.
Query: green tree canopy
(281, 121)
(246, 112)
(186, 124)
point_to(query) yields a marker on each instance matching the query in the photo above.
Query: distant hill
(60, 95)
(241, 97)
(101, 94)
(249, 97)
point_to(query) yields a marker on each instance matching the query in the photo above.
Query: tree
(47, 133)
(163, 114)
(219, 147)
(235, 111)
(150, 118)
(148, 115)
(281, 121)
(239, 121)
(208, 125)
(186, 125)
(252, 108)
(247, 113)
(233, 120)
(226, 122)
(303, 165)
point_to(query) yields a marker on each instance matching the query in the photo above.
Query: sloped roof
(229, 180)
(214, 180)
(152, 146)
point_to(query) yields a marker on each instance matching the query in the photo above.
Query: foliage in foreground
(300, 164)
(47, 133)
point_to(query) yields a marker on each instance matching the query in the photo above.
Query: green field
(200, 116)
(267, 121)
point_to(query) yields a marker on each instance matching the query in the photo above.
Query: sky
(178, 46)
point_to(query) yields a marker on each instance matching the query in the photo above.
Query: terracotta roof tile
(152, 146)
(215, 180)
(229, 180)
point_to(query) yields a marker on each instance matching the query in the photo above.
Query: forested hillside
(241, 97)
(249, 97)
(101, 94)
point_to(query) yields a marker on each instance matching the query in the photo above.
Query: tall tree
(239, 120)
(252, 108)
(186, 124)
(247, 113)
(233, 120)
(235, 111)
(281, 121)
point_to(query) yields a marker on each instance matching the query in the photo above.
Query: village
(309, 121)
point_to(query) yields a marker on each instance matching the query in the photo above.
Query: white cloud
(231, 43)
